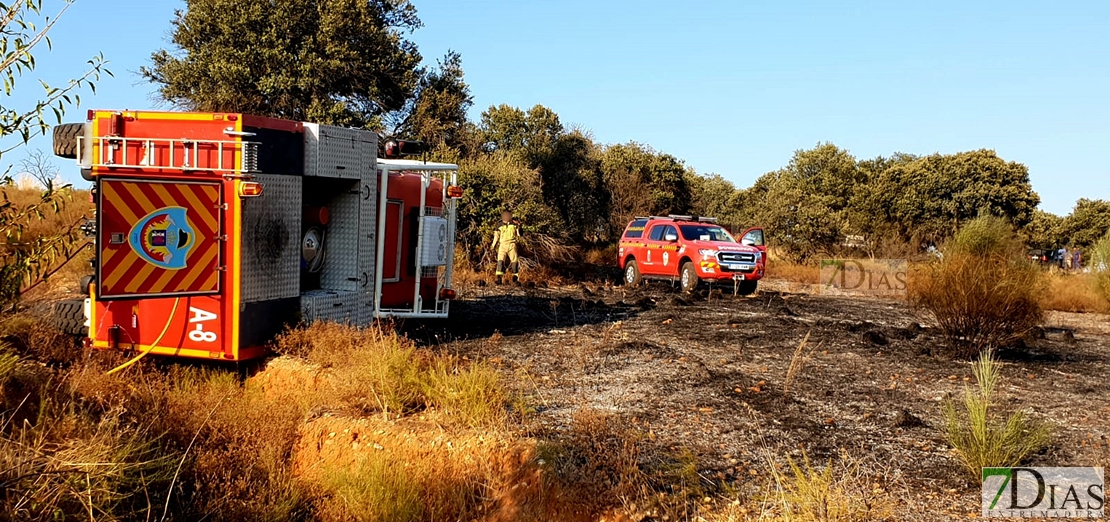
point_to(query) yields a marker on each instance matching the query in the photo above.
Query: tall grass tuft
(980, 437)
(375, 370)
(983, 293)
(58, 458)
(835, 493)
(1099, 264)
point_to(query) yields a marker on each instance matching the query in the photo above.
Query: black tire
(69, 316)
(632, 276)
(688, 277)
(65, 139)
(85, 282)
(747, 287)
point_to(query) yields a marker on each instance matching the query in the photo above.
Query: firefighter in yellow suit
(504, 241)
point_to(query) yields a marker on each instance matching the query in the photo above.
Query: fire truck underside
(216, 231)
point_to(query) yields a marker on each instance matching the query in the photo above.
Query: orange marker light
(250, 189)
(447, 293)
(454, 191)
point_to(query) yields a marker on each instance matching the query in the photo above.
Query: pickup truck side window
(657, 232)
(635, 229)
(755, 237)
(669, 231)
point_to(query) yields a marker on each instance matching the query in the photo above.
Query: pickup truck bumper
(711, 270)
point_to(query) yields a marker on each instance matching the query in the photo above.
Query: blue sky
(735, 87)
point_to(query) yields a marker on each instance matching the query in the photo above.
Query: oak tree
(339, 62)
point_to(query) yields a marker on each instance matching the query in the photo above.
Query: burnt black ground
(708, 374)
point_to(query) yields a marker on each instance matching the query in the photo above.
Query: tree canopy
(341, 62)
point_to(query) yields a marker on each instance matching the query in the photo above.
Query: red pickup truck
(691, 249)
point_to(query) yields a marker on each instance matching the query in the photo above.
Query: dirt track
(708, 373)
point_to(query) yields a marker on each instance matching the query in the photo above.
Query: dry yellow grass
(839, 491)
(370, 470)
(785, 270)
(197, 441)
(1074, 293)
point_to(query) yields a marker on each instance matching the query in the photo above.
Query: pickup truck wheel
(747, 287)
(689, 278)
(632, 275)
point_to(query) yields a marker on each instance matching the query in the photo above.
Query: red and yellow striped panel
(159, 238)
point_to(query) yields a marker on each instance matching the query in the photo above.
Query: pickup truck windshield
(705, 233)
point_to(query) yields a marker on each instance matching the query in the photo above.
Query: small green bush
(981, 438)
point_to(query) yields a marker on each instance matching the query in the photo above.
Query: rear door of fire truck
(158, 238)
(166, 201)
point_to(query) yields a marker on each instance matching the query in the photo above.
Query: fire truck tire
(69, 316)
(747, 287)
(65, 139)
(632, 276)
(688, 276)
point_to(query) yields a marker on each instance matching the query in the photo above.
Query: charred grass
(860, 400)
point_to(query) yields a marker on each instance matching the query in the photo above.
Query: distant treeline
(563, 184)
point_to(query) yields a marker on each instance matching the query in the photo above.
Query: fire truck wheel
(69, 316)
(65, 139)
(632, 275)
(747, 287)
(689, 277)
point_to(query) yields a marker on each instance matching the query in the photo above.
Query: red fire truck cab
(215, 230)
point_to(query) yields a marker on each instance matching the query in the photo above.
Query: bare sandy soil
(708, 374)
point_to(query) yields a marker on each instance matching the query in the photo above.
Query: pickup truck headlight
(708, 253)
(758, 256)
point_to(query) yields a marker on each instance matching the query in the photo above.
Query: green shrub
(983, 293)
(980, 437)
(1099, 263)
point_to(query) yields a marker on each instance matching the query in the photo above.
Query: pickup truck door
(754, 237)
(667, 261)
(653, 250)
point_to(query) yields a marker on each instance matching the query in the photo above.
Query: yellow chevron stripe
(197, 270)
(146, 206)
(113, 278)
(118, 204)
(139, 278)
(206, 212)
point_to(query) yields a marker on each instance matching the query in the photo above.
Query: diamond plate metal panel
(311, 147)
(325, 305)
(341, 270)
(338, 152)
(367, 244)
(271, 235)
(344, 153)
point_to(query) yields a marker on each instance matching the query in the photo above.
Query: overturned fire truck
(214, 230)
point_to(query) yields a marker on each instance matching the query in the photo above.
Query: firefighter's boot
(514, 268)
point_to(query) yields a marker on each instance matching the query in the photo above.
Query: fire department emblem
(164, 238)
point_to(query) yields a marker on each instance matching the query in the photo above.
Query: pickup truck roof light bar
(676, 217)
